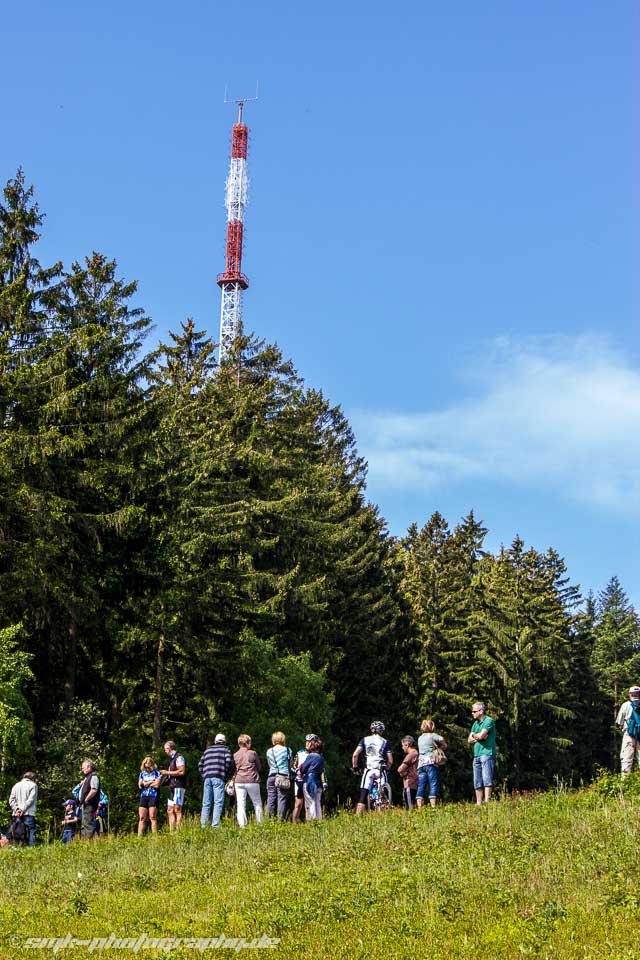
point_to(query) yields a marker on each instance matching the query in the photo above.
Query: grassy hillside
(551, 876)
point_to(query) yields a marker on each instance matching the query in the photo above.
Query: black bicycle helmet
(377, 726)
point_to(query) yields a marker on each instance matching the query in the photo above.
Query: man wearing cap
(215, 766)
(630, 749)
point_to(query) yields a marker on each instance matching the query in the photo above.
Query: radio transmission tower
(233, 282)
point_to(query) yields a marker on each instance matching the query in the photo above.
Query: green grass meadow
(551, 876)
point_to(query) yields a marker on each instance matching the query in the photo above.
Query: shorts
(176, 797)
(299, 795)
(483, 768)
(147, 802)
(429, 774)
(365, 784)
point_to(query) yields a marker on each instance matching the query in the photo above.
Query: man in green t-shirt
(483, 738)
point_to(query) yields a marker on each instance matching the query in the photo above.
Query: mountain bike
(379, 794)
(379, 798)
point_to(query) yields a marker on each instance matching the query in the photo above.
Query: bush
(74, 736)
(614, 786)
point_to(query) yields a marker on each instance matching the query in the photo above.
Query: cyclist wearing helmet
(378, 756)
(300, 757)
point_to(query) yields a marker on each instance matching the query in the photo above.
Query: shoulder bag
(282, 781)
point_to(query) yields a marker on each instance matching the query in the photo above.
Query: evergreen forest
(187, 547)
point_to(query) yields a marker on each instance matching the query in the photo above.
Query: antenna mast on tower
(233, 282)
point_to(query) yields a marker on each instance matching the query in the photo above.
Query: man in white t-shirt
(378, 757)
(630, 750)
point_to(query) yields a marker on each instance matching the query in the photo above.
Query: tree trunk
(70, 666)
(158, 694)
(616, 753)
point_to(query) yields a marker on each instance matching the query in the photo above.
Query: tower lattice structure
(233, 282)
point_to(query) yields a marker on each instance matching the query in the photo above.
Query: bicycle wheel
(379, 798)
(385, 797)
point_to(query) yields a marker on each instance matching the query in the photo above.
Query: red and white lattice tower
(233, 282)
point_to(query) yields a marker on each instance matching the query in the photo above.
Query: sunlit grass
(550, 876)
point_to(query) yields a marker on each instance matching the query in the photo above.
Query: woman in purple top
(247, 780)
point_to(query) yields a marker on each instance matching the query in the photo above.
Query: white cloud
(562, 414)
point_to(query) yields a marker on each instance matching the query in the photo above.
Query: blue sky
(440, 232)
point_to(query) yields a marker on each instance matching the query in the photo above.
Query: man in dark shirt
(89, 799)
(177, 774)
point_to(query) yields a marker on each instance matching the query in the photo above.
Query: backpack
(103, 800)
(17, 832)
(633, 724)
(102, 813)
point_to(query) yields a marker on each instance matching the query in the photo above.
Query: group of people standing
(291, 776)
(81, 811)
(421, 766)
(237, 776)
(301, 776)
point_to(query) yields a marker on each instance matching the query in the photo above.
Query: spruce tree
(616, 651)
(70, 378)
(258, 533)
(526, 648)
